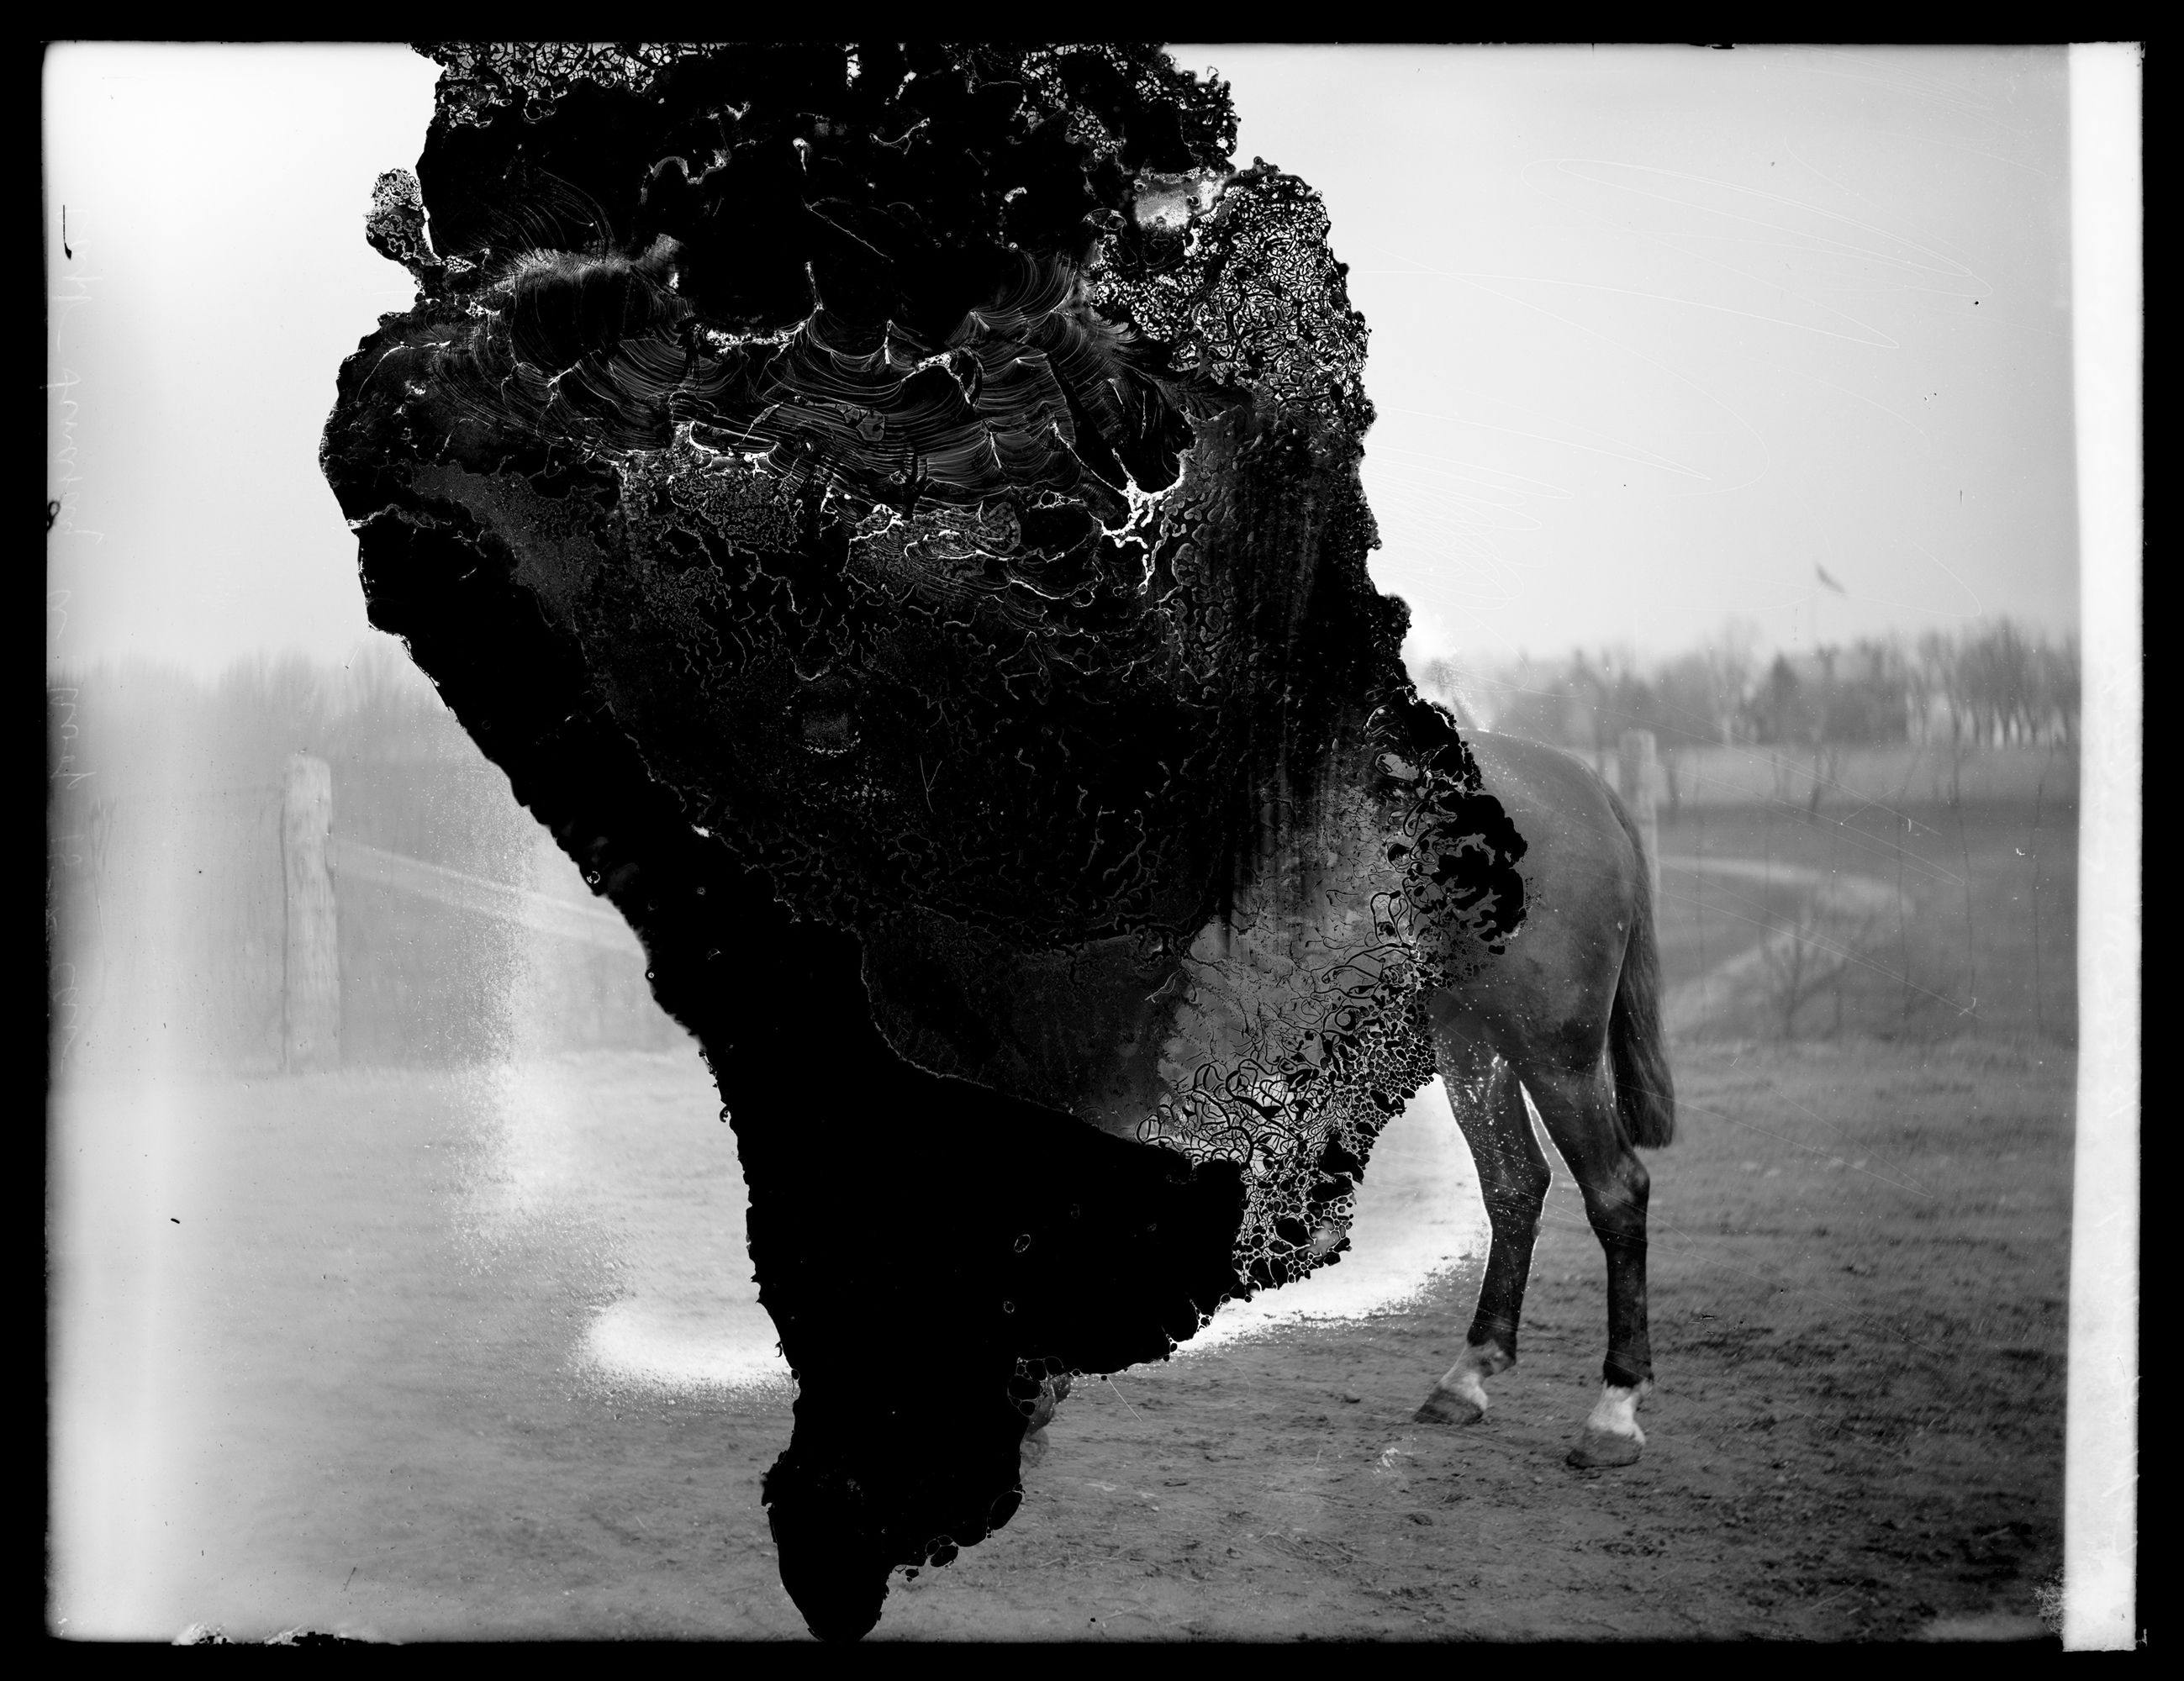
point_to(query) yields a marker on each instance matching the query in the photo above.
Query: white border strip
(2107, 285)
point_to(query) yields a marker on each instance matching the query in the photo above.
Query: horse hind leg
(1580, 1113)
(1513, 1177)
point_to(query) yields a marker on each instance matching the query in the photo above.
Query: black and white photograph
(990, 843)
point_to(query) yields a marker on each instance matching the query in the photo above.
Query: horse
(1571, 1017)
(930, 602)
(1569, 1014)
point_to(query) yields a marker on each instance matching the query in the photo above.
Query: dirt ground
(1858, 1294)
(363, 1411)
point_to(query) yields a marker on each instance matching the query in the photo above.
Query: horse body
(1569, 1015)
(1566, 1013)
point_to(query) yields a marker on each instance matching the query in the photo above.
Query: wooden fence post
(310, 1004)
(1637, 768)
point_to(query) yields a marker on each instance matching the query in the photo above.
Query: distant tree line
(114, 724)
(1992, 686)
(407, 776)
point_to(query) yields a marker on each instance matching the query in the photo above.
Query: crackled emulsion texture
(939, 469)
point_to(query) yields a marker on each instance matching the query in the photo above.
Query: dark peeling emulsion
(894, 513)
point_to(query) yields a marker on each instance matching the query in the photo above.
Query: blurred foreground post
(311, 1008)
(1636, 765)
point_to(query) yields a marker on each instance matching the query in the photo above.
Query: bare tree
(1809, 953)
(1731, 654)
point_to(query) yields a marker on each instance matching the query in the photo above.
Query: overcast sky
(1656, 333)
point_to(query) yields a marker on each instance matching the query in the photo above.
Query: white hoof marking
(1460, 1397)
(1467, 1379)
(1616, 1412)
(1612, 1436)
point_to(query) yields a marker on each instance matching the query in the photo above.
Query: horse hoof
(1600, 1450)
(1445, 1406)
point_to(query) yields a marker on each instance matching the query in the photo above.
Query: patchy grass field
(1977, 939)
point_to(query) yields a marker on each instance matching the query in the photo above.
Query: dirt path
(1834, 903)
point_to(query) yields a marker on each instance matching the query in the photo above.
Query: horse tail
(1645, 1091)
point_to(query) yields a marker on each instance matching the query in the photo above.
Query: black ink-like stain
(893, 512)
